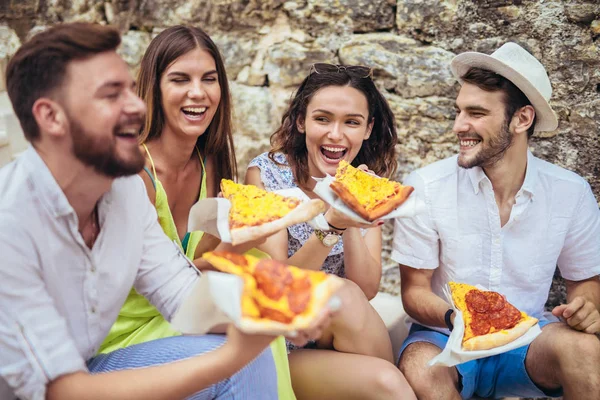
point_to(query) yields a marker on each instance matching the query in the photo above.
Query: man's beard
(101, 153)
(490, 153)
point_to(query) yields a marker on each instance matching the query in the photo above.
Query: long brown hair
(163, 50)
(39, 67)
(377, 152)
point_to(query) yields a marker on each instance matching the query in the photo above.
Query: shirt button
(497, 240)
(93, 269)
(93, 310)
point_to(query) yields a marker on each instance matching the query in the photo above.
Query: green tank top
(139, 321)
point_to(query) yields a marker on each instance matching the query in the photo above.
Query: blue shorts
(502, 375)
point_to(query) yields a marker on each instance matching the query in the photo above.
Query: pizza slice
(368, 195)
(275, 294)
(256, 213)
(490, 321)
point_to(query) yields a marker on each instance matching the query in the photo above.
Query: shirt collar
(531, 175)
(45, 184)
(476, 175)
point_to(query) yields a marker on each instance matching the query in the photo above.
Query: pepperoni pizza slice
(276, 295)
(256, 213)
(490, 321)
(368, 195)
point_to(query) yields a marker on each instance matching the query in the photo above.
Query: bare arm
(176, 380)
(418, 298)
(362, 259)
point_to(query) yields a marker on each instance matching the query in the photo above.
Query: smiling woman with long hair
(188, 144)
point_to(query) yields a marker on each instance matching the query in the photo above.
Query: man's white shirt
(555, 221)
(59, 298)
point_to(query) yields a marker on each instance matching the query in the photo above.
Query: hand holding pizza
(580, 314)
(337, 219)
(313, 332)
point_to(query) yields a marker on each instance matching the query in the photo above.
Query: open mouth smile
(469, 143)
(194, 113)
(333, 154)
(128, 133)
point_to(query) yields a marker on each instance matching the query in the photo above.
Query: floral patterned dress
(276, 177)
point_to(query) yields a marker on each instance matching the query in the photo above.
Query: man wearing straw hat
(499, 217)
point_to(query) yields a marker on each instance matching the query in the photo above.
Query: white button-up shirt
(555, 220)
(58, 298)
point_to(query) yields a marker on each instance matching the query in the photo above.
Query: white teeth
(469, 143)
(334, 149)
(197, 110)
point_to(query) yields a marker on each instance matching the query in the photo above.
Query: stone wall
(269, 46)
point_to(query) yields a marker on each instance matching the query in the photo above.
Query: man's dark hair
(40, 65)
(490, 81)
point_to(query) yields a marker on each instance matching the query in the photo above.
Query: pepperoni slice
(506, 318)
(513, 313)
(480, 325)
(235, 258)
(496, 300)
(272, 278)
(299, 295)
(477, 301)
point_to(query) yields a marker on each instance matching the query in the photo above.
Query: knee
(413, 365)
(351, 293)
(355, 304)
(581, 349)
(391, 384)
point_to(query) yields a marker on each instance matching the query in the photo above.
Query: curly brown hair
(377, 152)
(165, 48)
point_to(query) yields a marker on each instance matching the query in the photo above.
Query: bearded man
(502, 218)
(77, 231)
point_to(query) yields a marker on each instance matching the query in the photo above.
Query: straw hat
(521, 68)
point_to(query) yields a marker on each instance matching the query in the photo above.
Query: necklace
(94, 229)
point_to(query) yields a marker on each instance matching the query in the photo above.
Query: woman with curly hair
(336, 114)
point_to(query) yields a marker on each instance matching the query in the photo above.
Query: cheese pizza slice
(490, 321)
(368, 195)
(256, 213)
(276, 295)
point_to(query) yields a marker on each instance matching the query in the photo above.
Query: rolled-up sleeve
(35, 344)
(580, 256)
(415, 242)
(166, 276)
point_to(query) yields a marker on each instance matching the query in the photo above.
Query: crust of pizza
(499, 338)
(379, 211)
(368, 195)
(304, 212)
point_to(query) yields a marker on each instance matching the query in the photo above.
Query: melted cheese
(251, 206)
(369, 190)
(252, 297)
